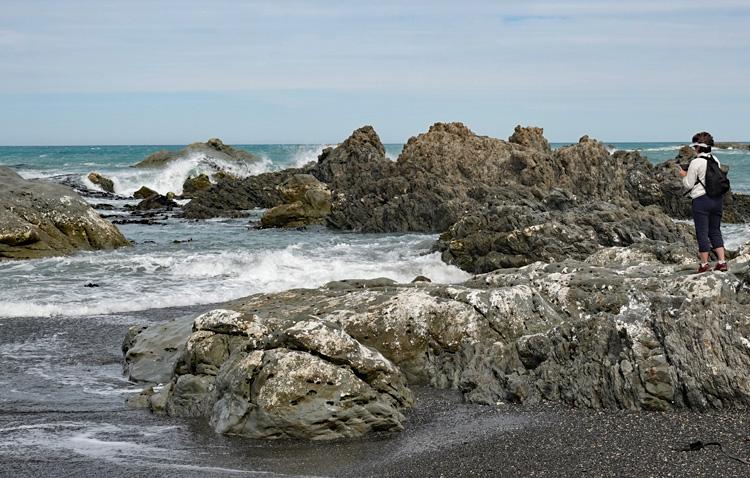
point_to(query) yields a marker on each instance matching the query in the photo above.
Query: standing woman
(707, 210)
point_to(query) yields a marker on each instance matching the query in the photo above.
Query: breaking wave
(171, 177)
(130, 281)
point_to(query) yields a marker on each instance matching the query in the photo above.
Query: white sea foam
(305, 155)
(131, 281)
(171, 177)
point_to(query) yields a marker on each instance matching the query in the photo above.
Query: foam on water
(207, 271)
(171, 177)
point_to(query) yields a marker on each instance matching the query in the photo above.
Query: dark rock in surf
(144, 192)
(102, 181)
(557, 228)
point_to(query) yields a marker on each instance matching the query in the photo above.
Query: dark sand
(62, 413)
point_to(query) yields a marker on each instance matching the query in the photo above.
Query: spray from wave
(171, 177)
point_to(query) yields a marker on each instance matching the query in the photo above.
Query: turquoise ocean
(224, 258)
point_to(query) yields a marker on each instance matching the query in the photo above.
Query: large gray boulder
(619, 330)
(39, 219)
(262, 376)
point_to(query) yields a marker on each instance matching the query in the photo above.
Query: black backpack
(717, 182)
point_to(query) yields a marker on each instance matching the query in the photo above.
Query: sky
(174, 72)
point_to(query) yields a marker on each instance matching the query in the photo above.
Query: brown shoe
(721, 267)
(703, 268)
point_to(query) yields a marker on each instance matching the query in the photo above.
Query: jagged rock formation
(554, 229)
(214, 148)
(39, 219)
(308, 202)
(634, 334)
(442, 174)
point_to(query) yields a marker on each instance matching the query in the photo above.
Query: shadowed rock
(39, 219)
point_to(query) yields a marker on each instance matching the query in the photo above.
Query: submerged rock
(308, 201)
(40, 219)
(102, 181)
(335, 361)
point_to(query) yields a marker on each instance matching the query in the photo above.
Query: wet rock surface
(634, 334)
(40, 219)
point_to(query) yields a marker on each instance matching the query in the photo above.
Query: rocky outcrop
(449, 170)
(192, 185)
(212, 149)
(308, 202)
(102, 181)
(619, 330)
(234, 197)
(39, 219)
(442, 174)
(554, 229)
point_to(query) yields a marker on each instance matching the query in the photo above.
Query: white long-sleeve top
(697, 170)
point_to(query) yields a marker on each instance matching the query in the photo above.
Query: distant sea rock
(40, 219)
(213, 149)
(620, 329)
(733, 145)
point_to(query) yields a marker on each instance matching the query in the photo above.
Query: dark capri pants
(707, 217)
